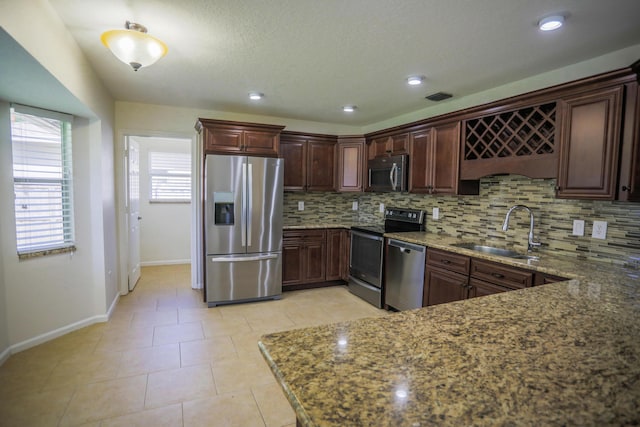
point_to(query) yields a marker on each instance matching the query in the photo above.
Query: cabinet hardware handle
(558, 188)
(625, 188)
(445, 261)
(498, 275)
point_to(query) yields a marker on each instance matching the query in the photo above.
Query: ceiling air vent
(438, 96)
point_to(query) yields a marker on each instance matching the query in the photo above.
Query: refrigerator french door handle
(250, 203)
(243, 214)
(232, 258)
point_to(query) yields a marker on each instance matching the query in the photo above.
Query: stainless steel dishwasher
(404, 275)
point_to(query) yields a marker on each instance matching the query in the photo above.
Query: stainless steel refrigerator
(243, 228)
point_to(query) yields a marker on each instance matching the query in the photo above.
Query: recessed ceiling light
(254, 96)
(415, 80)
(349, 108)
(551, 23)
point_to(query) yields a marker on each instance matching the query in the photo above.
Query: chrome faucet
(505, 226)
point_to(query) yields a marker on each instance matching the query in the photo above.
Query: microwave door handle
(393, 175)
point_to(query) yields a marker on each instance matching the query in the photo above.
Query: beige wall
(48, 296)
(5, 176)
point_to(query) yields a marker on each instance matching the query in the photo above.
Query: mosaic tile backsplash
(480, 218)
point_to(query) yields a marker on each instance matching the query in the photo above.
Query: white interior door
(133, 185)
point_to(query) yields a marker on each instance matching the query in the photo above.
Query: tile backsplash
(479, 218)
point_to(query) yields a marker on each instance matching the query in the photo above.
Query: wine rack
(508, 142)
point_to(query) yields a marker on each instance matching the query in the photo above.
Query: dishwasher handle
(404, 246)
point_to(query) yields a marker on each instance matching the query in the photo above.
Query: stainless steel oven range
(366, 263)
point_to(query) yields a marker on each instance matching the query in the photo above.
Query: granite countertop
(317, 225)
(566, 353)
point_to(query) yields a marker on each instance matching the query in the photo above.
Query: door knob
(139, 218)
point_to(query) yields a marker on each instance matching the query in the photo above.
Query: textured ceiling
(310, 57)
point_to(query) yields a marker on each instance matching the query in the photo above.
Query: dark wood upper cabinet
(309, 161)
(321, 159)
(589, 144)
(225, 137)
(388, 145)
(629, 182)
(434, 162)
(351, 164)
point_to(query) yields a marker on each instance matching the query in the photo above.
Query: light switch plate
(578, 227)
(381, 208)
(436, 213)
(354, 205)
(599, 230)
(300, 206)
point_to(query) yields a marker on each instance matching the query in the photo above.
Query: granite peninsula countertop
(566, 353)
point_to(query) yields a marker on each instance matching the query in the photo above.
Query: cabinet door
(346, 255)
(335, 254)
(589, 142)
(292, 262)
(314, 260)
(399, 144)
(629, 184)
(350, 166)
(320, 166)
(294, 154)
(223, 141)
(443, 286)
(479, 288)
(379, 147)
(445, 155)
(420, 159)
(261, 143)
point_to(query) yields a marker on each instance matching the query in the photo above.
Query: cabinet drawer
(449, 261)
(303, 234)
(510, 277)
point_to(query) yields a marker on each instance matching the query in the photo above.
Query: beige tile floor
(165, 359)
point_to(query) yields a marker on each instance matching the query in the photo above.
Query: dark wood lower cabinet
(453, 277)
(544, 278)
(443, 286)
(337, 254)
(480, 288)
(312, 258)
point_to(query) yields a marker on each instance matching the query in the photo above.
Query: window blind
(170, 177)
(42, 179)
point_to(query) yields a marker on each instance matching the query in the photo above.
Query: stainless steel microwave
(388, 173)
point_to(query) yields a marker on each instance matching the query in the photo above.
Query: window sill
(45, 252)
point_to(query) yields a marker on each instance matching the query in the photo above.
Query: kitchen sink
(495, 251)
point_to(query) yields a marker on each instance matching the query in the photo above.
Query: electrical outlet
(300, 206)
(436, 213)
(381, 207)
(354, 205)
(599, 230)
(578, 227)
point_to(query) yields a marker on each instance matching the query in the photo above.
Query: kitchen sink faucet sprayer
(505, 226)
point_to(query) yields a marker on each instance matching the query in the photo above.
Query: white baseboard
(5, 355)
(48, 336)
(165, 262)
(112, 306)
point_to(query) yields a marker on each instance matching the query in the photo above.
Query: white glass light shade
(551, 23)
(133, 47)
(415, 80)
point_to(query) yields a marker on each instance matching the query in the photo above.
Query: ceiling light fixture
(349, 108)
(415, 80)
(255, 96)
(551, 23)
(134, 46)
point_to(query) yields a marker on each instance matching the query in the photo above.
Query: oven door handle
(367, 235)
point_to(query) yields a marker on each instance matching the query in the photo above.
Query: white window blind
(42, 179)
(170, 177)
